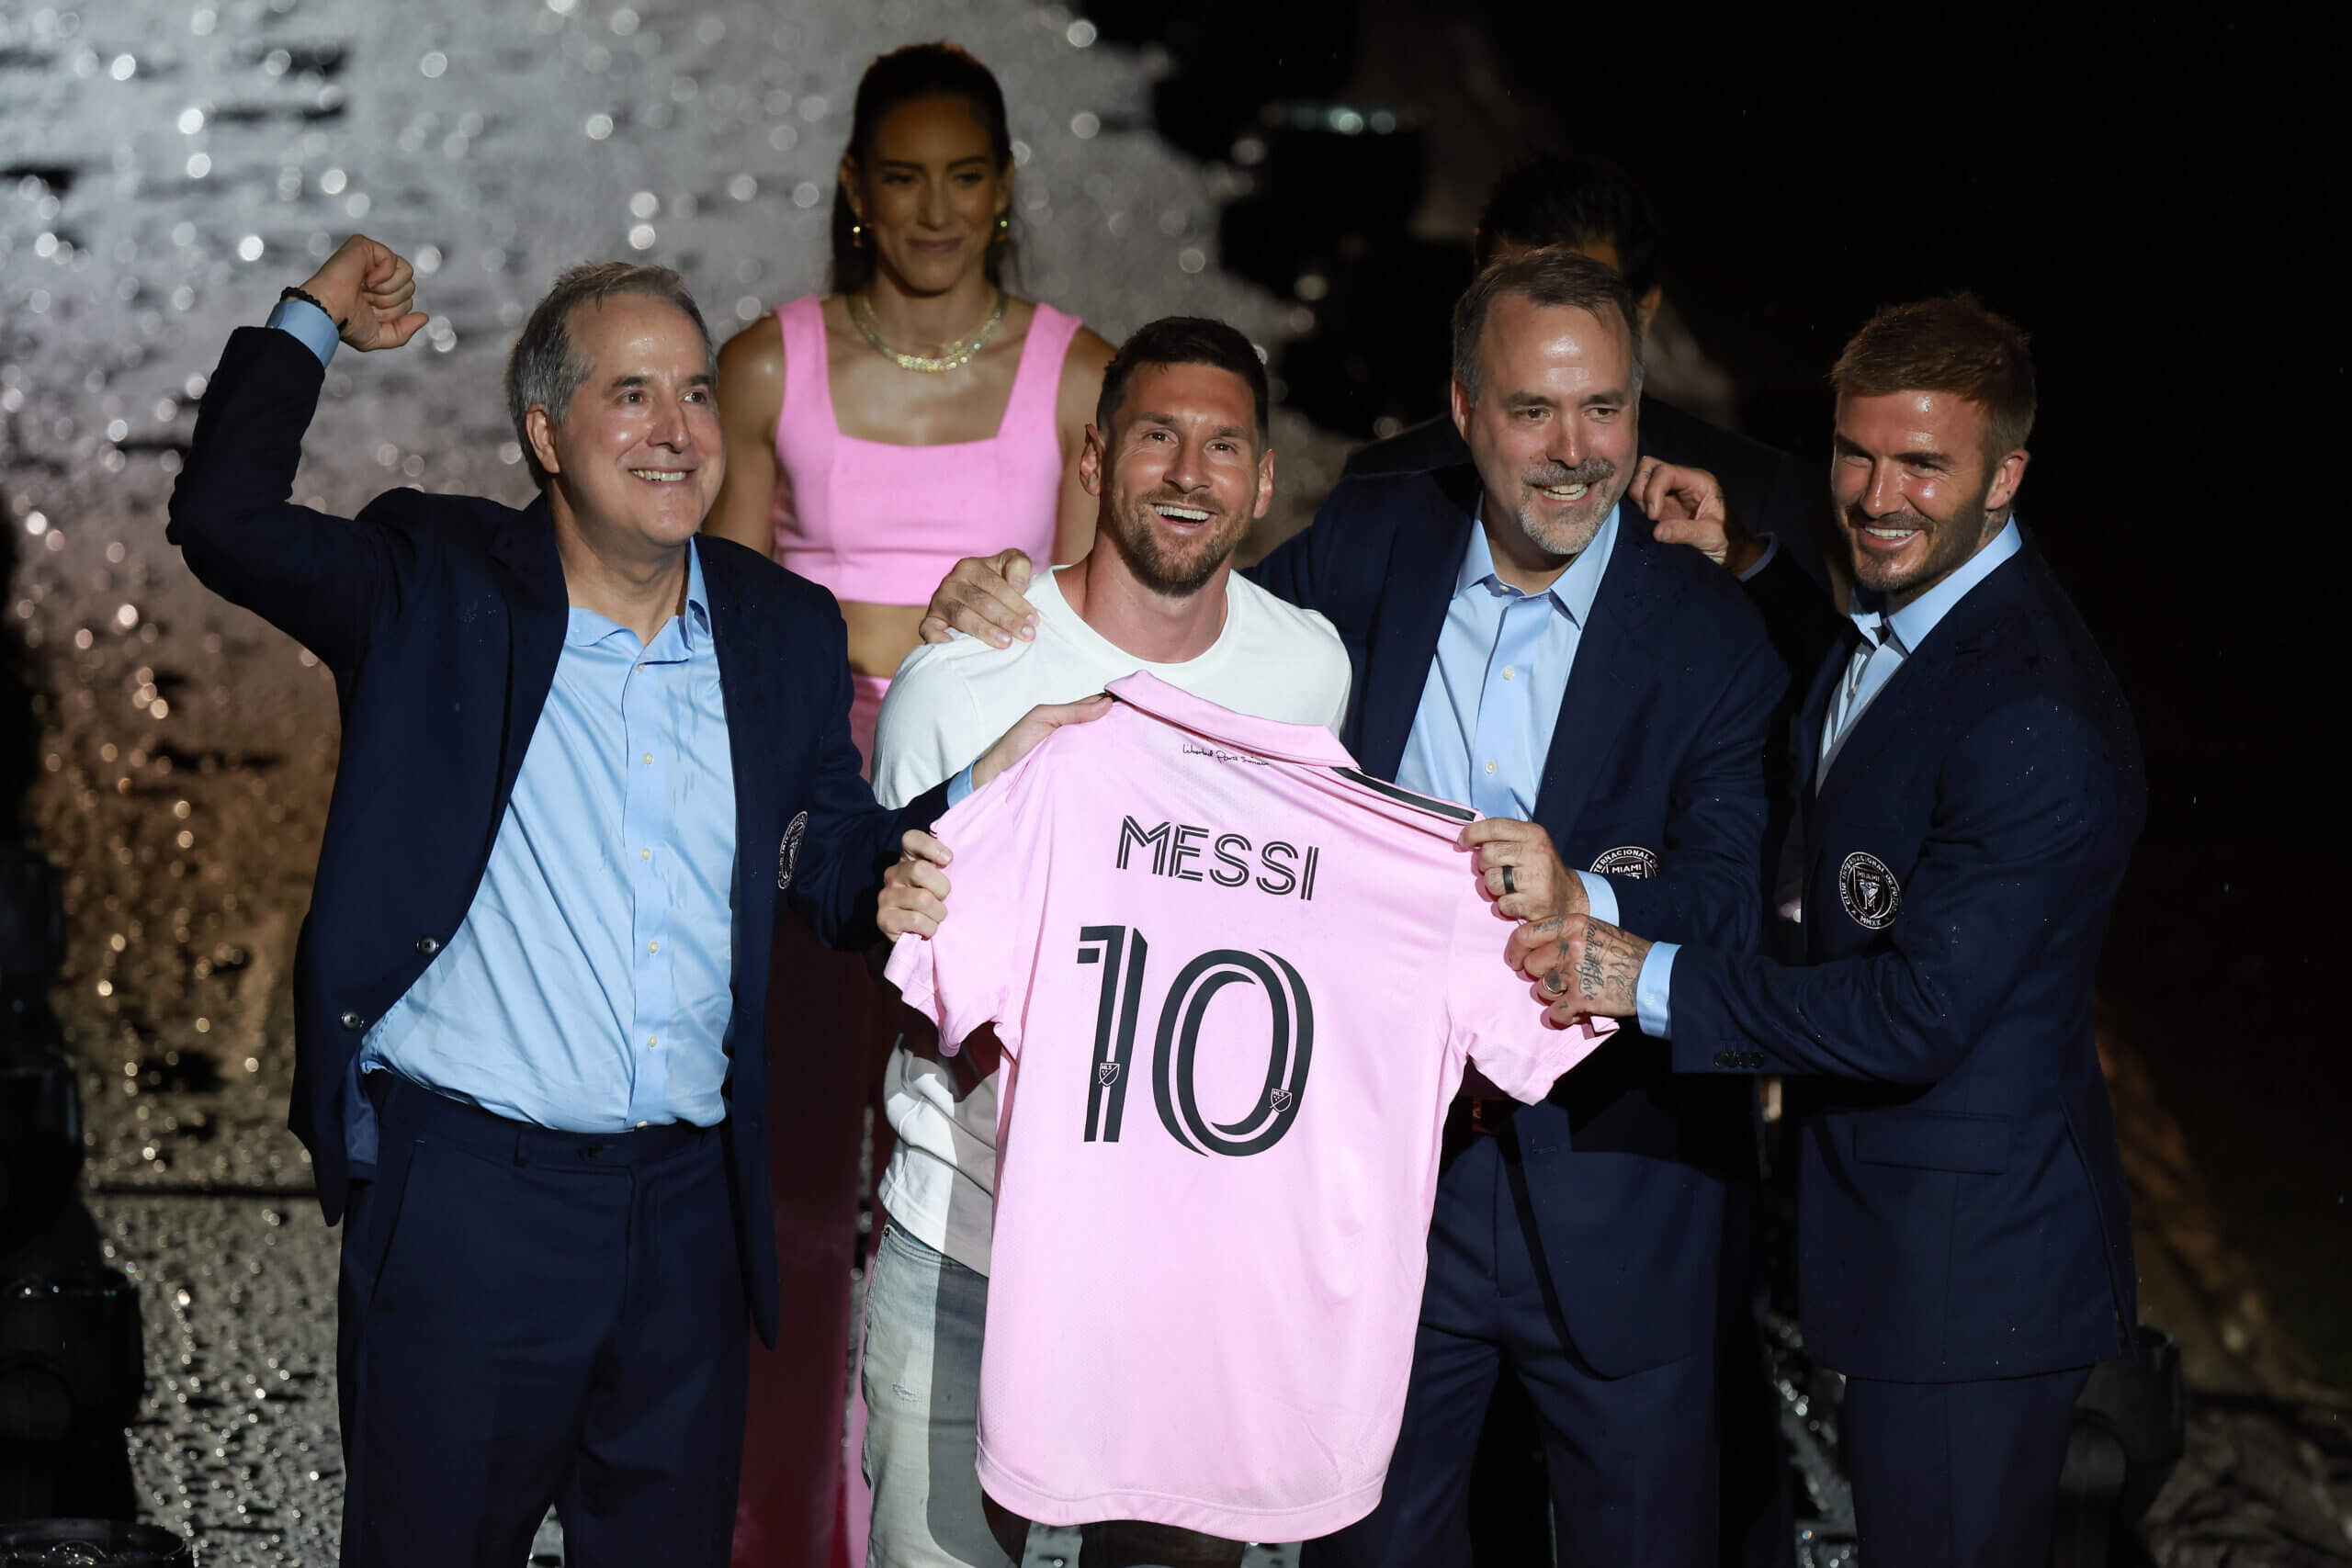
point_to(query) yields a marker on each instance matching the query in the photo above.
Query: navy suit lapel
(1815, 712)
(1422, 568)
(1608, 676)
(524, 556)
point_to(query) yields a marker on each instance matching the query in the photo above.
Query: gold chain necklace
(955, 358)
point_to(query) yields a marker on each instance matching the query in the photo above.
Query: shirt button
(649, 759)
(1508, 671)
(652, 947)
(645, 854)
(641, 1127)
(653, 1040)
(1490, 767)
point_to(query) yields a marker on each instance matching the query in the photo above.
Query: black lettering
(1187, 847)
(1114, 1024)
(1129, 833)
(1290, 1050)
(1241, 871)
(1288, 875)
(1306, 878)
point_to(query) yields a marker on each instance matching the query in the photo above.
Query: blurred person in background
(917, 413)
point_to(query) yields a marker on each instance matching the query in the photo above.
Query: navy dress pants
(1958, 1474)
(1629, 1460)
(531, 1318)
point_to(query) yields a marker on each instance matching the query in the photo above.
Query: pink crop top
(881, 524)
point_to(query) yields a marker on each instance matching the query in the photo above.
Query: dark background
(2153, 207)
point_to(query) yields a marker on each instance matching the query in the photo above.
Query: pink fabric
(865, 693)
(881, 524)
(1207, 1267)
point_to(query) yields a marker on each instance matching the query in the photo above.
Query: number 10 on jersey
(1124, 954)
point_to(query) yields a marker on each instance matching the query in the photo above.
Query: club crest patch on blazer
(1628, 860)
(1866, 886)
(787, 853)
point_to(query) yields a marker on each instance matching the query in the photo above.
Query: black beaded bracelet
(311, 299)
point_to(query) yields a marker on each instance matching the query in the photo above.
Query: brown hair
(1553, 275)
(1951, 344)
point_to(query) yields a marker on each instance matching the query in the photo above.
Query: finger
(1534, 947)
(923, 846)
(915, 901)
(1015, 569)
(994, 618)
(896, 924)
(1084, 711)
(1495, 830)
(919, 877)
(933, 627)
(400, 332)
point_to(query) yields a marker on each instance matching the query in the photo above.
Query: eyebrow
(638, 379)
(1846, 447)
(980, 158)
(1169, 421)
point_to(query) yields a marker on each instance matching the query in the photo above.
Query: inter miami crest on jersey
(1866, 886)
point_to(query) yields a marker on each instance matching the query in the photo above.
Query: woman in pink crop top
(915, 415)
(918, 413)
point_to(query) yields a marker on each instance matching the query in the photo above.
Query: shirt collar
(584, 629)
(1264, 736)
(1572, 593)
(1909, 626)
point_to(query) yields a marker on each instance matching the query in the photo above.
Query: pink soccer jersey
(1236, 982)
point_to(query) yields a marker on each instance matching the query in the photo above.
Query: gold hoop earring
(858, 236)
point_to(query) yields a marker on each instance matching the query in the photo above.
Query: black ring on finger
(1509, 887)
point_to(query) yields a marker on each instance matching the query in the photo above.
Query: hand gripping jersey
(1236, 982)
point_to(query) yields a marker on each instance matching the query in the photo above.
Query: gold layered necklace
(955, 356)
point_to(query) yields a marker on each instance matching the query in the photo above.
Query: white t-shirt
(952, 701)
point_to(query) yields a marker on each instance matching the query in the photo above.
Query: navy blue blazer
(442, 618)
(1660, 746)
(1962, 1210)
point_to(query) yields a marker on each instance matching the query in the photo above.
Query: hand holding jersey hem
(1587, 968)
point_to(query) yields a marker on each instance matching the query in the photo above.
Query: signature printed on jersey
(1219, 754)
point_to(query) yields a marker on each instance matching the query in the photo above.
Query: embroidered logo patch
(1869, 891)
(787, 854)
(1628, 860)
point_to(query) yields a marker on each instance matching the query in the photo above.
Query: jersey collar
(1309, 743)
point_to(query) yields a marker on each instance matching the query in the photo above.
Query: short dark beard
(1159, 573)
(1971, 523)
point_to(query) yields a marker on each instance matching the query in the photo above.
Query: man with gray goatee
(587, 755)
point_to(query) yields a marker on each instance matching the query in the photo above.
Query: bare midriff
(880, 636)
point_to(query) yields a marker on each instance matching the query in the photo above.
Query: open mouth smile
(661, 476)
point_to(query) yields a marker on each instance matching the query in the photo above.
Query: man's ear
(1461, 406)
(1091, 459)
(1265, 483)
(2007, 474)
(540, 429)
(1649, 305)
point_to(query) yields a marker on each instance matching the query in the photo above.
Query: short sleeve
(1498, 1017)
(973, 971)
(924, 733)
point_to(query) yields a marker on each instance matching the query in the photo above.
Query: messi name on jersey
(1192, 853)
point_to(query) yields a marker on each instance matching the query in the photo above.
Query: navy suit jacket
(1660, 746)
(442, 618)
(1962, 1210)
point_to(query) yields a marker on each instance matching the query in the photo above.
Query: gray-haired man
(585, 756)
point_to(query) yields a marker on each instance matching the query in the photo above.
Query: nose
(931, 208)
(672, 429)
(1884, 494)
(1567, 445)
(1184, 471)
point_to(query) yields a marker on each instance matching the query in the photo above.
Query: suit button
(352, 1020)
(429, 945)
(1726, 1059)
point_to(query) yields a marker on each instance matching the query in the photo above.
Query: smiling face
(929, 193)
(1180, 473)
(1555, 426)
(1918, 493)
(637, 458)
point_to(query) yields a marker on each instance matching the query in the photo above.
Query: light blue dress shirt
(1888, 638)
(1484, 726)
(590, 987)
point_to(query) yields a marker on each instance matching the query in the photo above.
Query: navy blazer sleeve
(2024, 813)
(328, 581)
(851, 842)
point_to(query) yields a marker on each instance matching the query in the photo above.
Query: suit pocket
(384, 1208)
(1935, 1140)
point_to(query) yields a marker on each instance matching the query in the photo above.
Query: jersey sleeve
(1497, 1015)
(975, 967)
